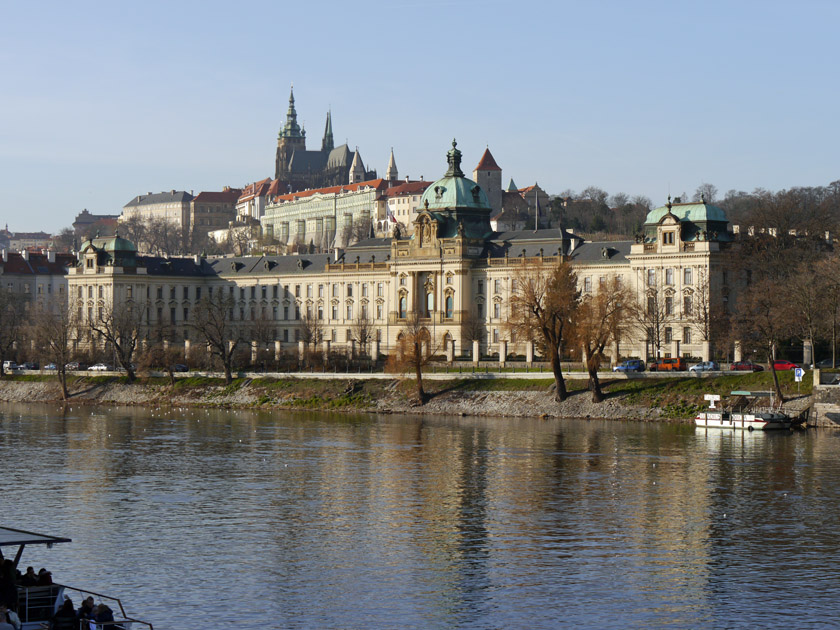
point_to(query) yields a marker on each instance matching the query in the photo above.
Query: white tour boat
(38, 604)
(744, 414)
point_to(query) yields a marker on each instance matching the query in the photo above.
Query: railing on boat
(40, 603)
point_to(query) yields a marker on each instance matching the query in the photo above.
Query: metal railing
(40, 603)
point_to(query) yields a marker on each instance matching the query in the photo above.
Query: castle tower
(328, 144)
(289, 139)
(357, 168)
(488, 175)
(391, 174)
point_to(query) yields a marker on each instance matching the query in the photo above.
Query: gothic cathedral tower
(290, 138)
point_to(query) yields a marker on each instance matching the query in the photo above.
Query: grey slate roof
(269, 265)
(158, 266)
(306, 161)
(339, 156)
(616, 252)
(179, 196)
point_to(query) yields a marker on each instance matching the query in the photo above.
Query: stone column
(807, 354)
(231, 345)
(450, 351)
(503, 350)
(278, 350)
(737, 354)
(254, 351)
(706, 353)
(165, 345)
(643, 349)
(301, 350)
(476, 352)
(529, 353)
(186, 350)
(374, 352)
(675, 348)
(326, 349)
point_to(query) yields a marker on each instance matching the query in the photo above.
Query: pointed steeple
(357, 168)
(328, 144)
(391, 173)
(292, 129)
(487, 163)
(511, 186)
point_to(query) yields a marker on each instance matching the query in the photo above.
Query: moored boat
(744, 414)
(38, 604)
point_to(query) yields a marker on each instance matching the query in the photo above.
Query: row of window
(668, 305)
(688, 276)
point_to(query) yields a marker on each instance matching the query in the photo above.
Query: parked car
(677, 364)
(99, 367)
(746, 366)
(705, 366)
(180, 367)
(10, 365)
(781, 364)
(826, 364)
(29, 365)
(631, 365)
(50, 366)
(72, 366)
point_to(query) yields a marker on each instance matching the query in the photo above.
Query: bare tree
(706, 192)
(362, 330)
(808, 295)
(650, 317)
(119, 324)
(598, 321)
(56, 331)
(311, 328)
(543, 307)
(213, 320)
(415, 349)
(472, 328)
(13, 309)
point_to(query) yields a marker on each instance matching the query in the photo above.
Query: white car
(99, 367)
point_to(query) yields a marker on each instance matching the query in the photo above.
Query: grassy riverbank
(668, 399)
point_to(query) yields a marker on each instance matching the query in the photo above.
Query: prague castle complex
(448, 266)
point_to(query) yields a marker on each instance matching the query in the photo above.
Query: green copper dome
(694, 212)
(454, 190)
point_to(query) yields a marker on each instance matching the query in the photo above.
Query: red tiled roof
(487, 163)
(257, 189)
(226, 196)
(379, 184)
(407, 188)
(16, 264)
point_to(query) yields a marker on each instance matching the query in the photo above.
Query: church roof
(487, 163)
(511, 186)
(339, 157)
(307, 161)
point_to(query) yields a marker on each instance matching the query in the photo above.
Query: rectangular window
(320, 290)
(349, 290)
(186, 314)
(651, 277)
(285, 312)
(497, 310)
(264, 292)
(686, 335)
(687, 305)
(669, 305)
(724, 278)
(274, 291)
(348, 336)
(171, 293)
(687, 275)
(297, 290)
(497, 286)
(241, 293)
(335, 290)
(129, 292)
(274, 313)
(495, 335)
(479, 307)
(669, 335)
(380, 289)
(364, 289)
(364, 311)
(186, 293)
(320, 312)
(349, 311)
(198, 293)
(651, 305)
(172, 315)
(253, 292)
(669, 276)
(668, 238)
(335, 312)
(286, 334)
(378, 311)
(480, 287)
(587, 285)
(309, 290)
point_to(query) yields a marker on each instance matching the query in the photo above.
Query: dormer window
(89, 262)
(667, 238)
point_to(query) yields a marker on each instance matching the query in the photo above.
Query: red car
(746, 366)
(780, 364)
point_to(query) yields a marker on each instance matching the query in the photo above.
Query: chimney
(407, 179)
(421, 179)
(149, 193)
(25, 254)
(197, 259)
(5, 255)
(51, 255)
(172, 192)
(339, 253)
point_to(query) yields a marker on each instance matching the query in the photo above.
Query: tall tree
(55, 330)
(362, 330)
(213, 320)
(415, 349)
(542, 308)
(120, 325)
(597, 322)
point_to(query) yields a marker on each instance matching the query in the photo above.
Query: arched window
(449, 306)
(430, 303)
(403, 307)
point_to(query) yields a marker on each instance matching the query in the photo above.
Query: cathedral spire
(292, 129)
(328, 144)
(391, 174)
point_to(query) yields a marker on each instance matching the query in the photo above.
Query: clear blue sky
(103, 101)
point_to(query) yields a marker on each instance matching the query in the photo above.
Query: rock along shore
(375, 396)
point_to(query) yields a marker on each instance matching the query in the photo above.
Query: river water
(225, 519)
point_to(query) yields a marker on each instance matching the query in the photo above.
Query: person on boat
(30, 578)
(5, 625)
(8, 588)
(86, 609)
(65, 618)
(44, 578)
(9, 616)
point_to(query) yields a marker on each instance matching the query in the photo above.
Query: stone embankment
(378, 396)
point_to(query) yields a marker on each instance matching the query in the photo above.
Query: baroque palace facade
(450, 267)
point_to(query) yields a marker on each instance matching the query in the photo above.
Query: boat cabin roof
(9, 536)
(739, 392)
